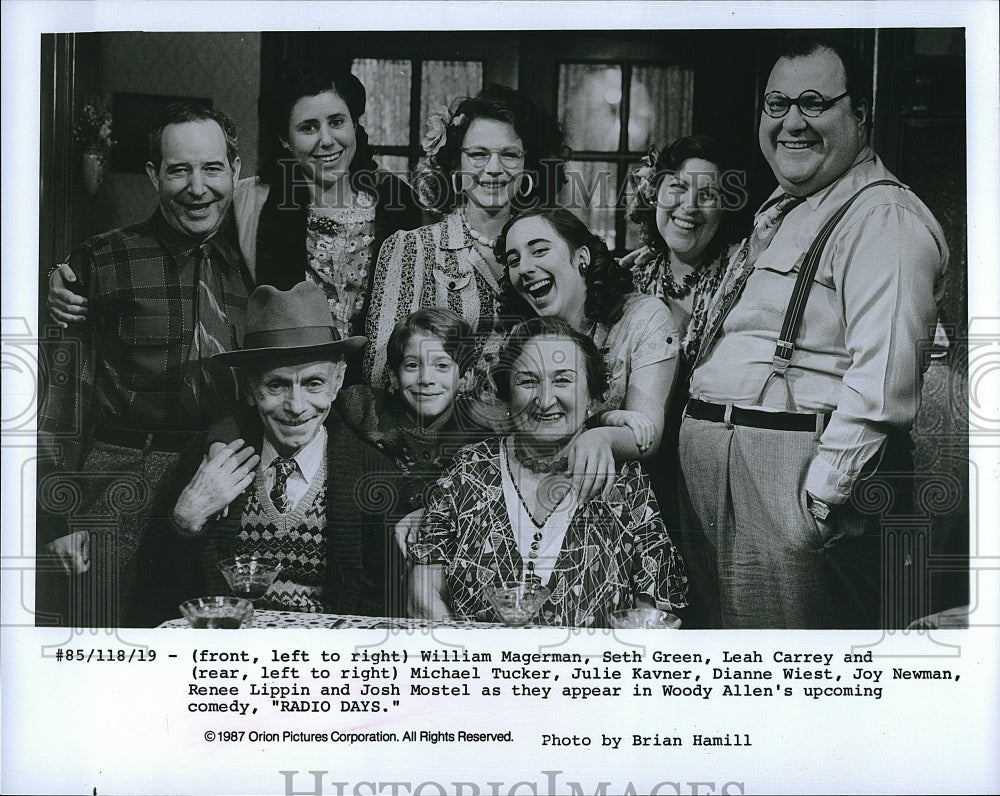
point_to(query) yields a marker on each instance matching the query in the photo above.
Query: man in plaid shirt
(124, 394)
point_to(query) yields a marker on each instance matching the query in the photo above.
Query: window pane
(589, 105)
(445, 81)
(395, 164)
(590, 193)
(387, 111)
(633, 235)
(662, 100)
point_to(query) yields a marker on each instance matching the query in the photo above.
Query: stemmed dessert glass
(217, 612)
(644, 618)
(249, 576)
(517, 603)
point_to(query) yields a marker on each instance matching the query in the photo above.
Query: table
(276, 619)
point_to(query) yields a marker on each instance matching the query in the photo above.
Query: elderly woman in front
(556, 268)
(507, 510)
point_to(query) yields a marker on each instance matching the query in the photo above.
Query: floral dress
(615, 549)
(339, 257)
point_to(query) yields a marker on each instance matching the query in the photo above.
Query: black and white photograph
(473, 398)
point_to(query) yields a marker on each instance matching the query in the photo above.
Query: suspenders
(800, 294)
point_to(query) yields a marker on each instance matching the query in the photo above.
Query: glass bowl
(517, 603)
(249, 576)
(217, 612)
(644, 619)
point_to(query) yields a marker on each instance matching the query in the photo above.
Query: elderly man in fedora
(305, 504)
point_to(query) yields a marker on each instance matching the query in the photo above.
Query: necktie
(207, 388)
(765, 226)
(279, 492)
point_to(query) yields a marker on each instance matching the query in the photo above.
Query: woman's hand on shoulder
(65, 306)
(638, 422)
(591, 464)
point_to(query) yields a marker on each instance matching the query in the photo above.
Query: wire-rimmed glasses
(510, 157)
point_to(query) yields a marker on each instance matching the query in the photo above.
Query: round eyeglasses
(809, 103)
(510, 157)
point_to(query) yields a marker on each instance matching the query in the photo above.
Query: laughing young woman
(488, 155)
(555, 267)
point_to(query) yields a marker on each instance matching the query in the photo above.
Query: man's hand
(219, 480)
(640, 425)
(591, 465)
(65, 306)
(73, 552)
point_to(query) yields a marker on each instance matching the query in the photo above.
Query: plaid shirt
(124, 365)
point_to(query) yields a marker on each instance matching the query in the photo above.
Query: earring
(531, 183)
(456, 186)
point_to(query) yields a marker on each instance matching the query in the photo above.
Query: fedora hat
(295, 321)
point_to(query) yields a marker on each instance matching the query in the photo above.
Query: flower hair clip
(644, 187)
(437, 130)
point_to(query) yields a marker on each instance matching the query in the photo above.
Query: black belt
(778, 421)
(146, 440)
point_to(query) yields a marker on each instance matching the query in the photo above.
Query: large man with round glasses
(795, 443)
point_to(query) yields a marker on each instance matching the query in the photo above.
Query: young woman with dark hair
(320, 196)
(555, 267)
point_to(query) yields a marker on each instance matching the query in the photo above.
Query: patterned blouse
(434, 266)
(339, 250)
(649, 273)
(615, 549)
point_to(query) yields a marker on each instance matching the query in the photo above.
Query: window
(402, 94)
(612, 114)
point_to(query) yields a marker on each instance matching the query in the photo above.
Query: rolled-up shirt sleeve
(64, 416)
(888, 273)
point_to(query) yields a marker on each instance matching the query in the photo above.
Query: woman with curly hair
(555, 267)
(486, 157)
(685, 204)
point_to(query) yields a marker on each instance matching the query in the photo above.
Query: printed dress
(615, 549)
(339, 256)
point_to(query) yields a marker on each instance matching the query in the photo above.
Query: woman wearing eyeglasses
(488, 154)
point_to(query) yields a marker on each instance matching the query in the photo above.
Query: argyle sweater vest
(296, 539)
